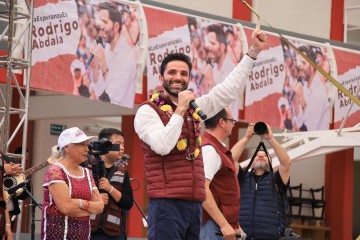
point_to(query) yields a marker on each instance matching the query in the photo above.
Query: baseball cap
(73, 135)
(77, 64)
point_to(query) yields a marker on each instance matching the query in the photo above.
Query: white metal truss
(16, 34)
(19, 17)
(302, 145)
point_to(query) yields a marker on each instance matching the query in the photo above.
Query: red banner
(348, 67)
(89, 50)
(214, 47)
(283, 88)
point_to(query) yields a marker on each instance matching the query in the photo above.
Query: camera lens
(260, 128)
(100, 147)
(106, 145)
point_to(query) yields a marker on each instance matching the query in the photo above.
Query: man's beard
(173, 93)
(260, 165)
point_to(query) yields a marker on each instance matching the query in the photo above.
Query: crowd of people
(195, 184)
(192, 180)
(85, 190)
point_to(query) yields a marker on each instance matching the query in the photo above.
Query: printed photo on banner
(215, 49)
(348, 67)
(265, 85)
(95, 58)
(285, 91)
(305, 103)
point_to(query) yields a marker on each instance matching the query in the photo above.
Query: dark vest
(112, 219)
(262, 213)
(172, 175)
(227, 198)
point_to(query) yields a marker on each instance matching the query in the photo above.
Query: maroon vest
(224, 186)
(172, 175)
(112, 219)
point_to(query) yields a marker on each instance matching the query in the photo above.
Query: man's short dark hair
(108, 132)
(219, 32)
(175, 57)
(114, 14)
(212, 122)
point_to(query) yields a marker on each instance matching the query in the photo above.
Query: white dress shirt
(162, 139)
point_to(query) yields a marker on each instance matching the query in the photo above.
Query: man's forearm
(212, 209)
(238, 148)
(280, 152)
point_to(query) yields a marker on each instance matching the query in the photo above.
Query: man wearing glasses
(222, 205)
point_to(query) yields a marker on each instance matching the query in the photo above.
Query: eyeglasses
(233, 121)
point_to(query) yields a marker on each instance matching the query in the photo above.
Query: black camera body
(100, 147)
(96, 149)
(98, 170)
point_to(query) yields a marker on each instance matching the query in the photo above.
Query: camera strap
(283, 205)
(261, 144)
(111, 172)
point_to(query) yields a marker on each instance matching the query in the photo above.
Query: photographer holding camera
(263, 192)
(114, 184)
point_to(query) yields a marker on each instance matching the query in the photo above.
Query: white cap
(77, 64)
(283, 102)
(73, 135)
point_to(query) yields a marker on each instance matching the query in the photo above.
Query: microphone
(13, 189)
(242, 235)
(208, 62)
(98, 41)
(125, 157)
(197, 109)
(293, 95)
(290, 233)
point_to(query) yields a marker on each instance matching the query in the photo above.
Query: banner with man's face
(214, 48)
(285, 91)
(348, 68)
(88, 49)
(79, 48)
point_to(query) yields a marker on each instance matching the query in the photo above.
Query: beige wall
(216, 7)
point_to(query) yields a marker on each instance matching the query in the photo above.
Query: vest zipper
(254, 206)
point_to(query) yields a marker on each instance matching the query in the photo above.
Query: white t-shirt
(219, 76)
(317, 111)
(121, 79)
(212, 161)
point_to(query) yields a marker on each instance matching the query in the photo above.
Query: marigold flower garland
(182, 144)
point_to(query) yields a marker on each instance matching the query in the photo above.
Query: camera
(100, 147)
(260, 128)
(97, 148)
